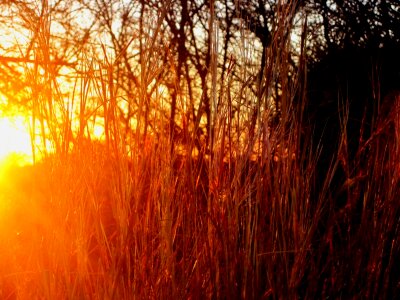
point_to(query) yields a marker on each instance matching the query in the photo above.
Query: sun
(15, 141)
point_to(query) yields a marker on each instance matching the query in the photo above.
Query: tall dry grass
(129, 218)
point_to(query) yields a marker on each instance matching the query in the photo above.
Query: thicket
(255, 175)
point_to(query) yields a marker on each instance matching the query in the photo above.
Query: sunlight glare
(15, 141)
(98, 131)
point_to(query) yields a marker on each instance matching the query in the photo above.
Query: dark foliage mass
(353, 93)
(353, 108)
(352, 87)
(353, 79)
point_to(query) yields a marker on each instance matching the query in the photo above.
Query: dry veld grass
(140, 218)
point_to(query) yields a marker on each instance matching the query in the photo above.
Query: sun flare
(15, 142)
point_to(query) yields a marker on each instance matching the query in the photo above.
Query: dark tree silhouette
(353, 69)
(359, 23)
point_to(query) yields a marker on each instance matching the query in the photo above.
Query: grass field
(243, 212)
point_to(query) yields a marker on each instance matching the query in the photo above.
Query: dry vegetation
(136, 216)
